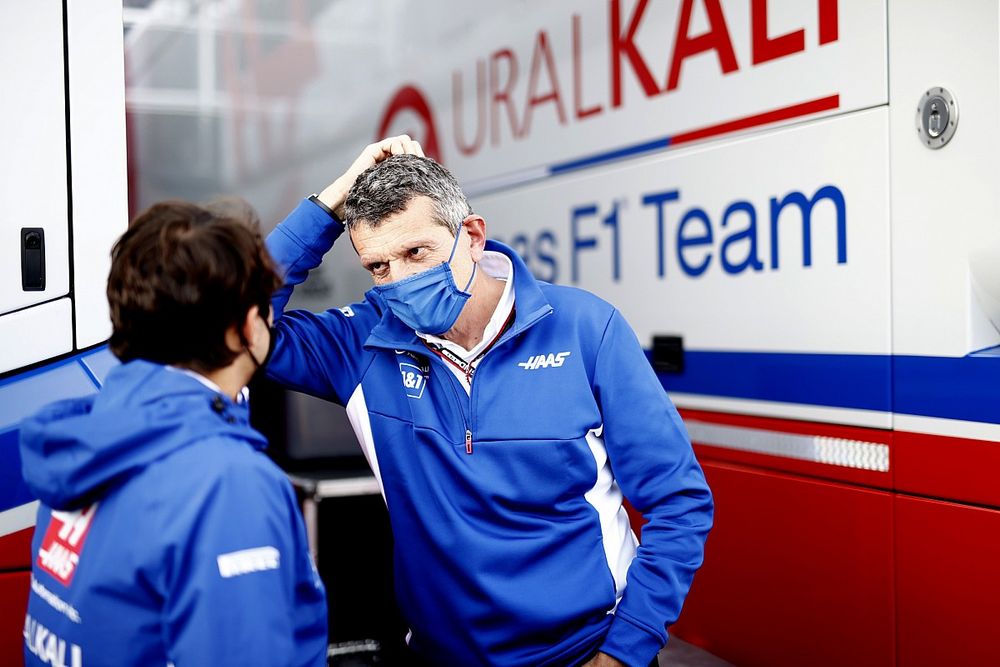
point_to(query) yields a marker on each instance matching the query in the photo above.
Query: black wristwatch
(314, 198)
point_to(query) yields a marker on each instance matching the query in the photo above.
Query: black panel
(32, 259)
(668, 354)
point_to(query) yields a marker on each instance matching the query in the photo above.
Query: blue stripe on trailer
(23, 395)
(964, 388)
(13, 490)
(99, 363)
(834, 380)
(609, 156)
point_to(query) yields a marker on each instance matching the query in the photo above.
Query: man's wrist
(316, 199)
(604, 660)
(333, 197)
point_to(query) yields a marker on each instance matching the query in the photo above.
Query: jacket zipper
(451, 381)
(469, 370)
(505, 334)
(468, 431)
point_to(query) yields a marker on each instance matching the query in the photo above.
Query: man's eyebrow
(403, 246)
(416, 242)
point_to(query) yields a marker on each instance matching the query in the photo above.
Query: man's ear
(249, 326)
(475, 226)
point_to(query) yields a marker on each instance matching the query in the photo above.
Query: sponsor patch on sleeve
(247, 561)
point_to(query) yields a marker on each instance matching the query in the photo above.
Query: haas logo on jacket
(544, 361)
(60, 551)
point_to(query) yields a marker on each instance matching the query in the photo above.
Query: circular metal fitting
(937, 117)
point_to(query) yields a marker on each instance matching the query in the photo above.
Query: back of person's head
(388, 187)
(181, 276)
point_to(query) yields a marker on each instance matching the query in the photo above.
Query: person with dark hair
(504, 418)
(165, 535)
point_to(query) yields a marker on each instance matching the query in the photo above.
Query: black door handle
(32, 259)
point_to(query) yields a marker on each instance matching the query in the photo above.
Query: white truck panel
(946, 211)
(97, 129)
(36, 334)
(827, 307)
(32, 134)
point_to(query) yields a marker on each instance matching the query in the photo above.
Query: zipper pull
(468, 441)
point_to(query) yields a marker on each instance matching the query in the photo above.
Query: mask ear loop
(246, 344)
(475, 265)
(246, 347)
(454, 245)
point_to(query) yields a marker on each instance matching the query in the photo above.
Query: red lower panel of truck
(797, 572)
(948, 583)
(953, 468)
(15, 550)
(13, 601)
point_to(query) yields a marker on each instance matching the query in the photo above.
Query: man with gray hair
(503, 418)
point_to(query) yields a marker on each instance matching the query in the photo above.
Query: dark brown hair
(181, 276)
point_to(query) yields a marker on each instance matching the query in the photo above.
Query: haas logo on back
(59, 554)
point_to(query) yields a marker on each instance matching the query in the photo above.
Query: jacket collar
(530, 305)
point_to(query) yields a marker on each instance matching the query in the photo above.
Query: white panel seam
(357, 413)
(605, 497)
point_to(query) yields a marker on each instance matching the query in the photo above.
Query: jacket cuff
(632, 644)
(312, 227)
(314, 198)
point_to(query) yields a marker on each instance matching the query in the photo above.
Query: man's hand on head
(336, 193)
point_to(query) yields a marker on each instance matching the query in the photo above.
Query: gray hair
(388, 187)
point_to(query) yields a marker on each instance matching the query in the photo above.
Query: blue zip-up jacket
(520, 552)
(165, 535)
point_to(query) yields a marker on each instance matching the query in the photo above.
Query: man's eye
(377, 267)
(417, 252)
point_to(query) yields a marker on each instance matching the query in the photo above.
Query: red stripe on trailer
(756, 120)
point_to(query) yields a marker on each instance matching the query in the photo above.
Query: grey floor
(681, 654)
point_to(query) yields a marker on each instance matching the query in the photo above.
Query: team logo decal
(62, 545)
(414, 379)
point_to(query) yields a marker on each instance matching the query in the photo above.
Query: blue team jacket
(518, 553)
(165, 535)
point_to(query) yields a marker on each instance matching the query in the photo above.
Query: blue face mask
(429, 301)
